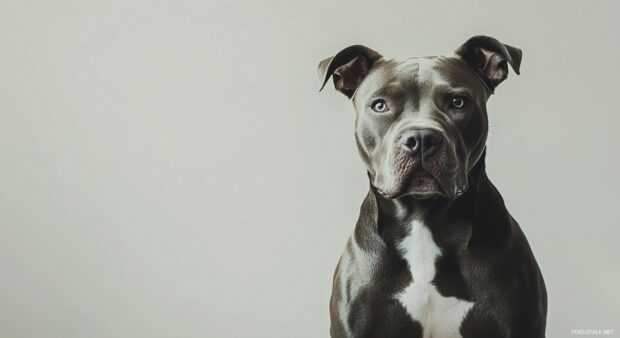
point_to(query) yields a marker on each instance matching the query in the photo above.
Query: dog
(435, 253)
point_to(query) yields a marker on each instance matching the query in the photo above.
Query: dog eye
(458, 101)
(379, 106)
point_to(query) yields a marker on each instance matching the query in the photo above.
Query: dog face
(421, 123)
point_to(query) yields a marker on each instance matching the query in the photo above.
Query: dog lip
(381, 192)
(385, 194)
(409, 168)
(440, 189)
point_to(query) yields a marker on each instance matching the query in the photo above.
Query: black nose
(422, 141)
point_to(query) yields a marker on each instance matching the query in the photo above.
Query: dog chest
(439, 316)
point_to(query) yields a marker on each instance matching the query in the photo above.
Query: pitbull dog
(435, 252)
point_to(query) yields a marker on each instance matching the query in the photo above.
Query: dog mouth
(418, 183)
(423, 184)
(423, 178)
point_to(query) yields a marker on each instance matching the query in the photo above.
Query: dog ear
(349, 67)
(490, 58)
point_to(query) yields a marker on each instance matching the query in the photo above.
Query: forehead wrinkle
(458, 74)
(382, 73)
(408, 74)
(428, 77)
(391, 89)
(446, 87)
(408, 70)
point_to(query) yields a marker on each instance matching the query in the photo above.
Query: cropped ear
(490, 58)
(349, 67)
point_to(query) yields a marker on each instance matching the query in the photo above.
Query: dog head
(421, 123)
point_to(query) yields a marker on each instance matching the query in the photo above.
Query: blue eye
(379, 106)
(458, 101)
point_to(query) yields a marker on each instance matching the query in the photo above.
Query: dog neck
(478, 216)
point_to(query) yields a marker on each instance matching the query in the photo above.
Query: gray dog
(435, 253)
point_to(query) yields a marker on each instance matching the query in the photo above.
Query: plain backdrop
(169, 169)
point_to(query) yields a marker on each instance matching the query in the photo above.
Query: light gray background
(168, 169)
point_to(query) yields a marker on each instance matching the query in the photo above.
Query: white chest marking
(440, 316)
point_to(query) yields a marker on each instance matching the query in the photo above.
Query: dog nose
(423, 141)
